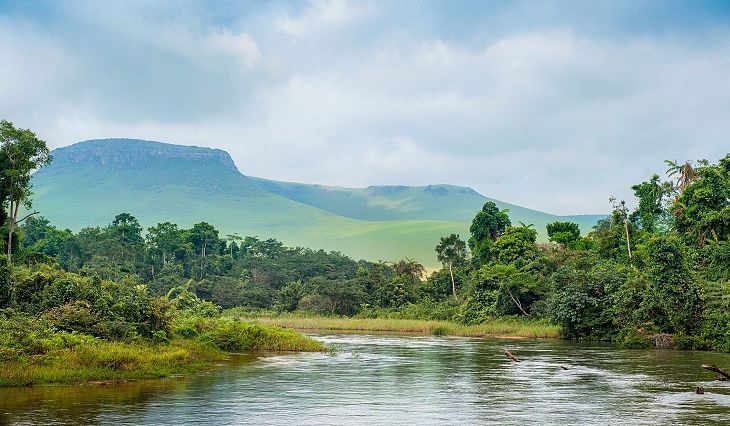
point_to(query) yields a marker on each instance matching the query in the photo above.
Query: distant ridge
(89, 182)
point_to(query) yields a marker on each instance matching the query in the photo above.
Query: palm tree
(686, 174)
(451, 251)
(409, 266)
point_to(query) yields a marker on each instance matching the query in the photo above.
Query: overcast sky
(551, 105)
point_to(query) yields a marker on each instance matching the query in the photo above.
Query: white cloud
(358, 94)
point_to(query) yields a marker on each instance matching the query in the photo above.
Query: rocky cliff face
(130, 154)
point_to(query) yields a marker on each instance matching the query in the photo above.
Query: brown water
(377, 379)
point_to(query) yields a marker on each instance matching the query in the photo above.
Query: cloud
(555, 114)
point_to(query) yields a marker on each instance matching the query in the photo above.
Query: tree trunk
(453, 284)
(628, 239)
(516, 302)
(12, 224)
(718, 370)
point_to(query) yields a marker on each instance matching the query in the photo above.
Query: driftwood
(718, 370)
(563, 367)
(510, 356)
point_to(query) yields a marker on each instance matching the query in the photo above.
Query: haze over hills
(90, 182)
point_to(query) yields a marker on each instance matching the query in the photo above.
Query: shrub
(74, 316)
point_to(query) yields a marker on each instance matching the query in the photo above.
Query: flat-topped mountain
(90, 182)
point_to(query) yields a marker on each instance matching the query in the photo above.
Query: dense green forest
(660, 269)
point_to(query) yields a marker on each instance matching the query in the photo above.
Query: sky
(553, 105)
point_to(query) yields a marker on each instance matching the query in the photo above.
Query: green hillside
(432, 202)
(89, 182)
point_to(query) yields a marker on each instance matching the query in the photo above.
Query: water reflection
(382, 379)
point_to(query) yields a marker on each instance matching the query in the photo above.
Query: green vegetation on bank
(498, 327)
(655, 275)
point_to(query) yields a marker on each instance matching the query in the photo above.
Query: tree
(685, 175)
(516, 246)
(488, 224)
(702, 210)
(204, 238)
(167, 241)
(563, 233)
(651, 202)
(619, 208)
(409, 267)
(232, 238)
(127, 228)
(674, 297)
(451, 251)
(21, 152)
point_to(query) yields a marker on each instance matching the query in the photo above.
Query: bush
(634, 338)
(715, 331)
(74, 316)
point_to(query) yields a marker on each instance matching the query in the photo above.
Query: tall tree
(204, 238)
(21, 153)
(232, 242)
(651, 196)
(563, 233)
(451, 251)
(488, 224)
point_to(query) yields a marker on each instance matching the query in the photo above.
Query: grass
(106, 361)
(43, 357)
(492, 328)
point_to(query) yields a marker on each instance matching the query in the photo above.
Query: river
(385, 379)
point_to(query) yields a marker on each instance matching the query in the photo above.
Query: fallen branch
(510, 356)
(718, 370)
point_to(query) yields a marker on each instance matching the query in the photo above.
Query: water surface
(381, 379)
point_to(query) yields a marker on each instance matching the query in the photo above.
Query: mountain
(88, 183)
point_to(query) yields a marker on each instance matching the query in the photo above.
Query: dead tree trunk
(718, 370)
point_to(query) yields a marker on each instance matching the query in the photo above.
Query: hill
(89, 182)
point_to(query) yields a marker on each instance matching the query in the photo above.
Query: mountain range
(88, 183)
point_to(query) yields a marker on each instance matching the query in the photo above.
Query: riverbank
(47, 357)
(514, 328)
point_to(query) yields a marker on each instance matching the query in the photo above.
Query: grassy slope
(432, 202)
(90, 182)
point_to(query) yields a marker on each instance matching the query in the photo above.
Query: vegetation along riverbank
(118, 301)
(498, 327)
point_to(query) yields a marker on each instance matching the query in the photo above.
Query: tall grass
(506, 327)
(107, 361)
(41, 356)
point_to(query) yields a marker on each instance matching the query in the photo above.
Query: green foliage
(674, 297)
(501, 289)
(21, 153)
(702, 211)
(563, 233)
(234, 336)
(661, 270)
(5, 276)
(516, 246)
(488, 224)
(289, 296)
(582, 300)
(451, 250)
(650, 211)
(634, 338)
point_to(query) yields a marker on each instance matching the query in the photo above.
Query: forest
(657, 275)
